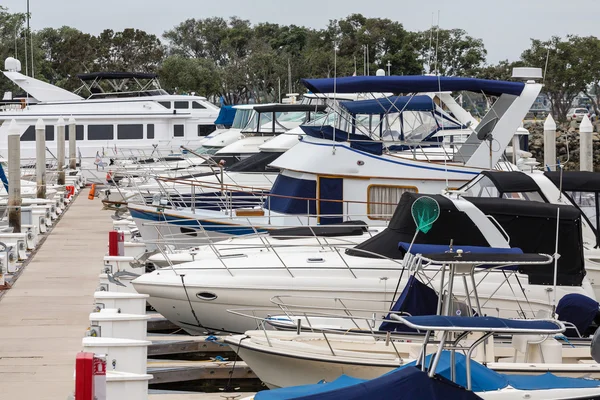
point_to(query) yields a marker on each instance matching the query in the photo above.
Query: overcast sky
(505, 25)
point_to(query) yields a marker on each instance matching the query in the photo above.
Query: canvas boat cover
(576, 181)
(406, 384)
(577, 309)
(391, 104)
(412, 84)
(226, 116)
(518, 218)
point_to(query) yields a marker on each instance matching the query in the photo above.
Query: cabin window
(178, 130)
(205, 130)
(150, 131)
(130, 131)
(49, 133)
(197, 106)
(29, 135)
(78, 132)
(101, 132)
(382, 200)
(165, 104)
(182, 105)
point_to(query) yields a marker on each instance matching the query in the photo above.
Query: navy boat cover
(483, 324)
(358, 142)
(412, 84)
(577, 309)
(392, 104)
(416, 299)
(408, 383)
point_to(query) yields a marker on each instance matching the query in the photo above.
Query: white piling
(60, 150)
(40, 158)
(586, 153)
(72, 144)
(14, 177)
(550, 143)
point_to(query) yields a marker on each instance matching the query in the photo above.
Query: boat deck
(45, 315)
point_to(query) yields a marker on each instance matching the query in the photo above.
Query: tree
(12, 41)
(185, 75)
(451, 52)
(566, 74)
(129, 50)
(501, 71)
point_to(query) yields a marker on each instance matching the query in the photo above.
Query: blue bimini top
(412, 84)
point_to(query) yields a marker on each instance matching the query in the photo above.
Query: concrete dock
(44, 316)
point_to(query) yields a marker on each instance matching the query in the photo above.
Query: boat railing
(351, 323)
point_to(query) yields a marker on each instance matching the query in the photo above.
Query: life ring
(92, 194)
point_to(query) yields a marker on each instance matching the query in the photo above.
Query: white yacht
(358, 167)
(135, 117)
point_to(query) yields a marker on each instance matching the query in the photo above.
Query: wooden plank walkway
(45, 315)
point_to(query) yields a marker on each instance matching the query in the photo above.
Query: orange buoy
(92, 194)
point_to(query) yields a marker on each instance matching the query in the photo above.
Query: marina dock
(46, 313)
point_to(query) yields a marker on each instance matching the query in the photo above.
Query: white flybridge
(358, 164)
(135, 118)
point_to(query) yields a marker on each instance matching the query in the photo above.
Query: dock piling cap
(549, 124)
(13, 128)
(60, 122)
(71, 120)
(586, 125)
(40, 124)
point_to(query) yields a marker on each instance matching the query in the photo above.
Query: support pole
(72, 144)
(40, 158)
(586, 154)
(550, 143)
(14, 178)
(60, 150)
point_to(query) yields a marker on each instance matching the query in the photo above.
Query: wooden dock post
(14, 178)
(60, 150)
(40, 158)
(72, 144)
(586, 153)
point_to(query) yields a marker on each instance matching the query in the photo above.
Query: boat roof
(390, 104)
(290, 108)
(412, 84)
(116, 75)
(481, 324)
(511, 181)
(575, 181)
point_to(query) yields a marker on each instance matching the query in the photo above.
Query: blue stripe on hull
(197, 224)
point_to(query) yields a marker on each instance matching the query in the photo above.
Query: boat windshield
(284, 121)
(588, 204)
(242, 116)
(483, 186)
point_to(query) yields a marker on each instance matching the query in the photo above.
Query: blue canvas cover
(359, 142)
(577, 309)
(483, 379)
(3, 178)
(457, 323)
(391, 104)
(293, 194)
(549, 381)
(416, 299)
(404, 384)
(443, 248)
(412, 84)
(295, 392)
(226, 116)
(331, 189)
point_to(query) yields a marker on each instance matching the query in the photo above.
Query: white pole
(72, 144)
(14, 177)
(60, 150)
(550, 143)
(586, 155)
(40, 158)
